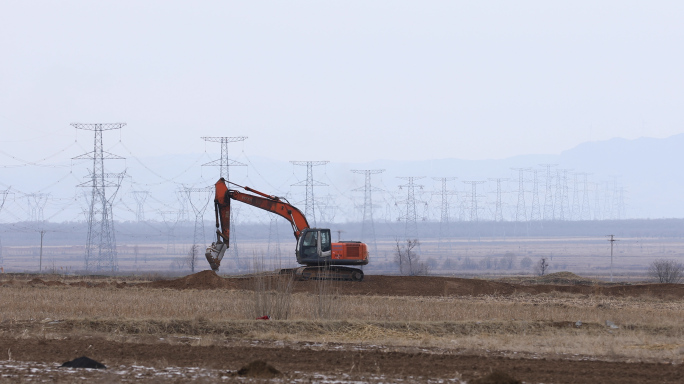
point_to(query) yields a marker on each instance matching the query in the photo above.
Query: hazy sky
(340, 80)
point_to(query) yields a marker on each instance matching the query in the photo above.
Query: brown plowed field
(31, 348)
(342, 363)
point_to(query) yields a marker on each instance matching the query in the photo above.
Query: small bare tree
(666, 271)
(408, 260)
(542, 266)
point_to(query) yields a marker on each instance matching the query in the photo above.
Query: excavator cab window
(325, 240)
(310, 243)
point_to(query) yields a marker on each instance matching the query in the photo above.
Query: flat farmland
(203, 327)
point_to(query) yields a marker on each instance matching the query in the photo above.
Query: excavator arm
(269, 203)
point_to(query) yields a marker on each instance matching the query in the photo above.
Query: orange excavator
(322, 259)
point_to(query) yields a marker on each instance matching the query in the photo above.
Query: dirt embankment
(378, 285)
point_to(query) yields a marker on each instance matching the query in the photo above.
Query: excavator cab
(314, 247)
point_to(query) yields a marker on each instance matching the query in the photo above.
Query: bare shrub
(542, 266)
(272, 294)
(325, 297)
(666, 271)
(408, 259)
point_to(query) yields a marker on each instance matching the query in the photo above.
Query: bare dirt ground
(31, 349)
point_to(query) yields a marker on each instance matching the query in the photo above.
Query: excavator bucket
(214, 254)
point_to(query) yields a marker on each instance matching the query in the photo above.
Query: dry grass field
(637, 328)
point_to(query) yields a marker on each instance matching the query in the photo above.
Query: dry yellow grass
(648, 328)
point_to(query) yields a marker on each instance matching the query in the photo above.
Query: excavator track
(325, 273)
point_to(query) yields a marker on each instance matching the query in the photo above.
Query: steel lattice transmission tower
(100, 251)
(575, 213)
(36, 204)
(309, 183)
(549, 211)
(140, 197)
(585, 213)
(170, 225)
(367, 224)
(521, 210)
(198, 207)
(224, 162)
(562, 203)
(498, 208)
(535, 215)
(2, 204)
(444, 193)
(411, 226)
(473, 199)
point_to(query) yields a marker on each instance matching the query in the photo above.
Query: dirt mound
(49, 283)
(259, 369)
(200, 280)
(497, 377)
(564, 278)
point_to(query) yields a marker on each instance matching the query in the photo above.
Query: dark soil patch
(83, 362)
(497, 377)
(260, 369)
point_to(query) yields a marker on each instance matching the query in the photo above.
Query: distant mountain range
(626, 179)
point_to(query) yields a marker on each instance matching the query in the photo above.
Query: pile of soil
(259, 369)
(200, 280)
(565, 278)
(49, 283)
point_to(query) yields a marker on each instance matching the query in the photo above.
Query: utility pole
(309, 183)
(367, 224)
(411, 226)
(101, 244)
(612, 240)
